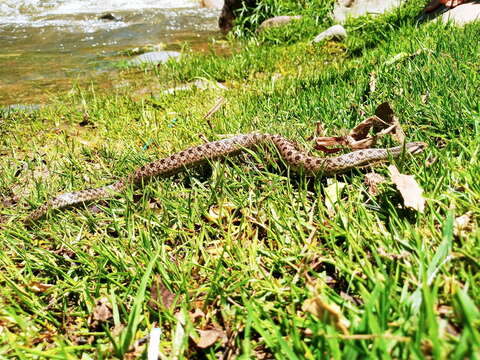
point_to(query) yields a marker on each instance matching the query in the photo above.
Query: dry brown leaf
(102, 311)
(9, 201)
(319, 129)
(41, 173)
(372, 180)
(160, 294)
(39, 287)
(358, 137)
(46, 336)
(463, 224)
(218, 212)
(361, 130)
(197, 313)
(385, 112)
(322, 142)
(382, 123)
(117, 329)
(209, 337)
(324, 311)
(411, 192)
(331, 140)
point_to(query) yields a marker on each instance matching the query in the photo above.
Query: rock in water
(154, 57)
(109, 16)
(337, 32)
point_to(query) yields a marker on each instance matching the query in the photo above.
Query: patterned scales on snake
(227, 147)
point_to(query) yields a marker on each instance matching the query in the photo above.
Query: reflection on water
(46, 42)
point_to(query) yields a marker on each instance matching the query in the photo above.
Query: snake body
(196, 155)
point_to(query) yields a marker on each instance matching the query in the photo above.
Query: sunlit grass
(407, 282)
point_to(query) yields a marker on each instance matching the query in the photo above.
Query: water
(47, 42)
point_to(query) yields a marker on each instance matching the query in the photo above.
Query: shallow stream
(45, 44)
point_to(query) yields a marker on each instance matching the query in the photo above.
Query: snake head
(415, 147)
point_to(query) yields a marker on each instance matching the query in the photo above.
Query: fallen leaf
(160, 294)
(209, 337)
(411, 192)
(462, 224)
(39, 287)
(41, 174)
(322, 142)
(102, 311)
(9, 201)
(327, 312)
(385, 112)
(197, 313)
(218, 212)
(372, 180)
(46, 336)
(117, 329)
(361, 130)
(319, 129)
(382, 123)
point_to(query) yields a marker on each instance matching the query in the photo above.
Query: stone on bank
(154, 57)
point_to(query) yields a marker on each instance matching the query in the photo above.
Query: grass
(247, 247)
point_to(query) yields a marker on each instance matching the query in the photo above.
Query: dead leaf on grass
(117, 329)
(160, 294)
(218, 212)
(46, 336)
(383, 122)
(463, 224)
(411, 192)
(385, 112)
(372, 180)
(327, 312)
(9, 201)
(197, 313)
(319, 129)
(209, 337)
(39, 287)
(102, 311)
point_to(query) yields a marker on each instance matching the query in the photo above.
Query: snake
(292, 155)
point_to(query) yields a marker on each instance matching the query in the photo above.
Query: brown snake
(222, 148)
